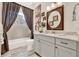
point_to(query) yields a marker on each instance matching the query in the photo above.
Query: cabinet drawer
(66, 43)
(45, 38)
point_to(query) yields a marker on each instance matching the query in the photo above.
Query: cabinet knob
(64, 43)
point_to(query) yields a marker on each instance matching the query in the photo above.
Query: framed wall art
(37, 17)
(55, 19)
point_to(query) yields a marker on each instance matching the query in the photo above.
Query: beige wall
(69, 25)
(0, 22)
(0, 12)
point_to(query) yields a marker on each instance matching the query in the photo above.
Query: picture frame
(37, 17)
(55, 18)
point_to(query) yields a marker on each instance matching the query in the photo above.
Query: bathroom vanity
(53, 45)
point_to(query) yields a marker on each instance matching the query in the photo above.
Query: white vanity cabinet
(37, 45)
(64, 52)
(65, 48)
(47, 49)
(44, 45)
(50, 46)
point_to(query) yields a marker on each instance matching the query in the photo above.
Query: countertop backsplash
(61, 32)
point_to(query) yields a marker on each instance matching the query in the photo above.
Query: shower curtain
(9, 14)
(28, 13)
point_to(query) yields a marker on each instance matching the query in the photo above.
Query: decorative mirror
(55, 19)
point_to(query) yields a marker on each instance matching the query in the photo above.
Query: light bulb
(53, 5)
(59, 3)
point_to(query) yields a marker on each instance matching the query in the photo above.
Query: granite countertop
(69, 37)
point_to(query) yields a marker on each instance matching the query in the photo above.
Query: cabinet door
(37, 46)
(64, 52)
(47, 50)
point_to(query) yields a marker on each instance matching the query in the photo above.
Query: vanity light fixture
(54, 4)
(59, 3)
(48, 8)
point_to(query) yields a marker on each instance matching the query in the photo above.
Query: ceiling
(28, 4)
(33, 5)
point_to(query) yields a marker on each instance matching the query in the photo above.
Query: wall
(0, 26)
(43, 9)
(19, 29)
(69, 25)
(0, 12)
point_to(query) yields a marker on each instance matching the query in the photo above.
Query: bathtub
(22, 47)
(16, 43)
